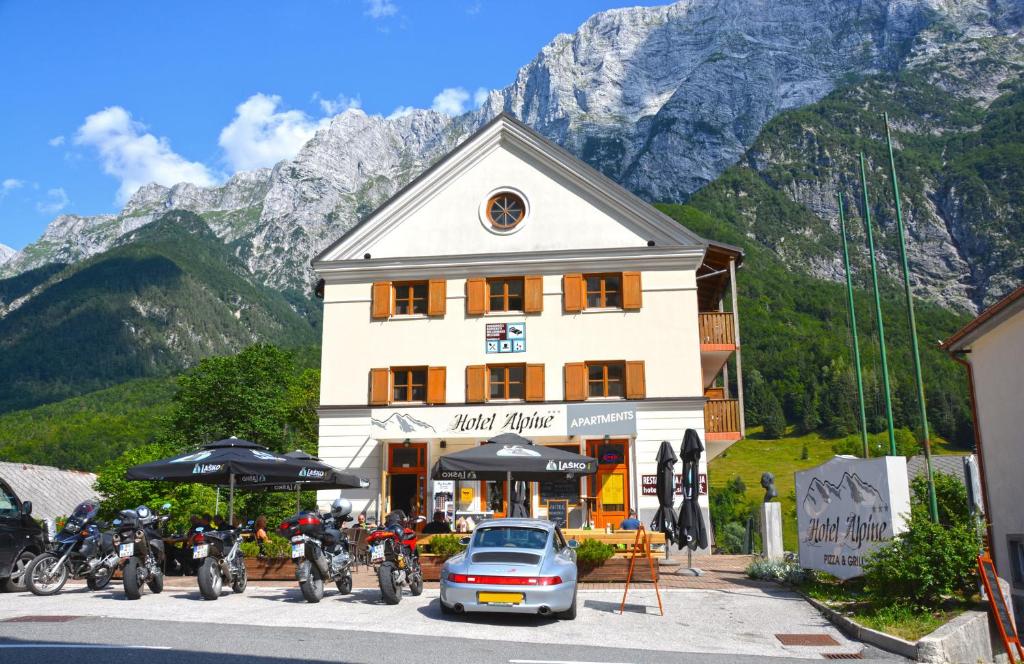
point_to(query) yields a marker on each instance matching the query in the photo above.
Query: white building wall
(345, 442)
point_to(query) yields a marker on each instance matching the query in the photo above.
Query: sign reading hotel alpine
(848, 507)
(523, 419)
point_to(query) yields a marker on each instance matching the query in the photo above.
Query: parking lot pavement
(740, 621)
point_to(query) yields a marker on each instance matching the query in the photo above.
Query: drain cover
(806, 640)
(41, 619)
(843, 655)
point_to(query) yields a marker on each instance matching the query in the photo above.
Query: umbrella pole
(216, 502)
(298, 507)
(231, 499)
(508, 492)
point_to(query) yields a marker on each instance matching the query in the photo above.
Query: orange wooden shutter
(533, 300)
(476, 383)
(435, 385)
(636, 387)
(632, 294)
(380, 382)
(437, 297)
(575, 381)
(535, 382)
(381, 296)
(476, 296)
(573, 293)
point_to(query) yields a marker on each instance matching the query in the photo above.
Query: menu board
(560, 489)
(558, 512)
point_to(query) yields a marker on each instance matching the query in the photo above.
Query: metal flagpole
(853, 329)
(878, 308)
(925, 438)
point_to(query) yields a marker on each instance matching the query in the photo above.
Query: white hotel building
(511, 287)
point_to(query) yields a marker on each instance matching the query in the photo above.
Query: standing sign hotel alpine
(618, 418)
(847, 508)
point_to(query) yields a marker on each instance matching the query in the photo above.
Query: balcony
(722, 420)
(717, 331)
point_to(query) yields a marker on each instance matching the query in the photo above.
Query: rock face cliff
(6, 253)
(661, 99)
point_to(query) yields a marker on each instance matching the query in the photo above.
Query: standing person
(630, 522)
(261, 535)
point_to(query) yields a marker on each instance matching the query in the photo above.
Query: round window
(505, 210)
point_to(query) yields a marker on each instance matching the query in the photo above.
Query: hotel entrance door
(611, 483)
(407, 477)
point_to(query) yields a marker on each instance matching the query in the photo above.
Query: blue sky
(98, 97)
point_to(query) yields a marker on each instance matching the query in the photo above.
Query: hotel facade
(511, 287)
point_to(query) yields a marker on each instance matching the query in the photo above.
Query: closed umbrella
(665, 518)
(692, 532)
(518, 507)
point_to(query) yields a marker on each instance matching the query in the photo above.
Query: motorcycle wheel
(132, 582)
(390, 591)
(210, 581)
(313, 587)
(416, 584)
(42, 576)
(156, 584)
(241, 581)
(100, 578)
(345, 584)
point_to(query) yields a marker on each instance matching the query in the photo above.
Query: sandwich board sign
(848, 507)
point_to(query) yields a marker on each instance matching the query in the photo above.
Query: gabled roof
(54, 492)
(985, 321)
(506, 130)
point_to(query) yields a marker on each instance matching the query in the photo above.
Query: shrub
(277, 547)
(732, 538)
(878, 444)
(950, 496)
(591, 553)
(446, 546)
(772, 570)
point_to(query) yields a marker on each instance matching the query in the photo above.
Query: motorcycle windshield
(85, 511)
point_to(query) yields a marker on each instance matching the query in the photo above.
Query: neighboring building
(53, 492)
(992, 347)
(511, 287)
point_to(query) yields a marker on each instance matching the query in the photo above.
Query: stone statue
(768, 484)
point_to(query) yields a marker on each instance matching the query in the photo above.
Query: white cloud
(56, 141)
(451, 101)
(260, 135)
(474, 9)
(480, 96)
(401, 112)
(339, 104)
(380, 8)
(134, 156)
(10, 184)
(56, 200)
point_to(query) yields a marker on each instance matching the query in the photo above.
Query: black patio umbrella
(665, 518)
(232, 461)
(511, 454)
(691, 530)
(336, 480)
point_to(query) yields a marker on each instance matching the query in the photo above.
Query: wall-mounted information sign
(505, 337)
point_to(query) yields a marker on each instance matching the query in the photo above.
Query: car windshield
(520, 538)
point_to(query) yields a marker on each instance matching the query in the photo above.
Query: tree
(775, 419)
(810, 416)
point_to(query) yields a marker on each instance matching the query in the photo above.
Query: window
(505, 211)
(506, 382)
(605, 379)
(8, 503)
(1015, 545)
(603, 291)
(512, 537)
(410, 298)
(409, 384)
(505, 294)
(562, 488)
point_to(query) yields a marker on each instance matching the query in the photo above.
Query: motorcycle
(140, 549)
(78, 551)
(222, 561)
(320, 552)
(392, 550)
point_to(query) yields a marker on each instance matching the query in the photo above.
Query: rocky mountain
(662, 99)
(6, 253)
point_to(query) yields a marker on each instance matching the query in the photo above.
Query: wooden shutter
(632, 294)
(575, 381)
(437, 297)
(573, 294)
(435, 385)
(380, 384)
(535, 382)
(533, 294)
(476, 296)
(636, 387)
(476, 383)
(381, 296)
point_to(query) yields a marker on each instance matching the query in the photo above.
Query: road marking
(556, 661)
(79, 646)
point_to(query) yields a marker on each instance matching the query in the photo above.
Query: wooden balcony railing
(721, 416)
(716, 328)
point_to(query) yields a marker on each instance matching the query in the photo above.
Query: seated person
(438, 526)
(461, 526)
(220, 523)
(260, 529)
(360, 521)
(631, 522)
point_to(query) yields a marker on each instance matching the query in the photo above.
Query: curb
(881, 640)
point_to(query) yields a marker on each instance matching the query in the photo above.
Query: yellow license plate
(500, 598)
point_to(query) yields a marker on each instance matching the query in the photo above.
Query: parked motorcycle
(78, 551)
(140, 549)
(320, 550)
(393, 556)
(222, 561)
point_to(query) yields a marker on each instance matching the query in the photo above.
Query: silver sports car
(512, 565)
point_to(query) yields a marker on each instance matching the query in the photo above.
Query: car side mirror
(464, 541)
(26, 508)
(573, 544)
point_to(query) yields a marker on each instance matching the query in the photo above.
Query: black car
(21, 539)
